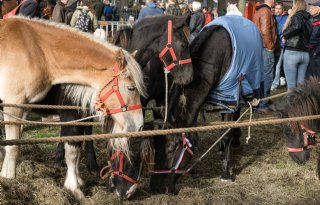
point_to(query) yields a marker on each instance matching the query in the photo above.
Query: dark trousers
(314, 67)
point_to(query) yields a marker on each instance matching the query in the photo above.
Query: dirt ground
(264, 174)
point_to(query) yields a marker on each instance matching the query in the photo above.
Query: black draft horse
(211, 53)
(149, 38)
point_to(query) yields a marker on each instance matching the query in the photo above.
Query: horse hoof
(78, 194)
(226, 180)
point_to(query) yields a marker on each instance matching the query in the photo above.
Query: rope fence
(154, 132)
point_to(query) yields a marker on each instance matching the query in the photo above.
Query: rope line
(49, 123)
(153, 132)
(58, 107)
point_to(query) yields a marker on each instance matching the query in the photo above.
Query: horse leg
(73, 180)
(236, 132)
(226, 176)
(58, 160)
(92, 164)
(11, 152)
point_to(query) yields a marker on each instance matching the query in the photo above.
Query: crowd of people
(291, 42)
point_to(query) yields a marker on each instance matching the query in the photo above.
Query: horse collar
(114, 89)
(170, 49)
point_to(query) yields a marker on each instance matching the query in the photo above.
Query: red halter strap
(169, 48)
(309, 140)
(114, 89)
(120, 171)
(186, 147)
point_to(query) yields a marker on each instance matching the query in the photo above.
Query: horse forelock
(120, 145)
(134, 70)
(303, 101)
(67, 28)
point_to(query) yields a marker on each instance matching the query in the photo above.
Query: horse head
(174, 50)
(165, 42)
(126, 165)
(120, 96)
(301, 136)
(174, 152)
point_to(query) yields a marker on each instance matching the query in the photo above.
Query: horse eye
(131, 88)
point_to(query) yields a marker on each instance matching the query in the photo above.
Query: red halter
(309, 140)
(186, 147)
(120, 172)
(114, 89)
(171, 51)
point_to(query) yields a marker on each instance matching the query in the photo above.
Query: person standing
(58, 14)
(281, 18)
(296, 32)
(266, 24)
(173, 8)
(196, 20)
(149, 10)
(314, 64)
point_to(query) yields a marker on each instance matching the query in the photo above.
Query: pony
(301, 136)
(212, 54)
(36, 54)
(156, 31)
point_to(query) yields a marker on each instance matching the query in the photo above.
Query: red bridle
(114, 89)
(309, 140)
(186, 147)
(120, 173)
(169, 48)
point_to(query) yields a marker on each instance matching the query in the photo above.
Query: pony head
(301, 136)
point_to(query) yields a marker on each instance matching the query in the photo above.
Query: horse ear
(182, 21)
(134, 53)
(121, 59)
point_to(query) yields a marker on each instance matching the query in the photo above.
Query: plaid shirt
(174, 10)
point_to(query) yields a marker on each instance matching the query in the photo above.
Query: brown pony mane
(303, 101)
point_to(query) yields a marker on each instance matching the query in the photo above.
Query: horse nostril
(141, 128)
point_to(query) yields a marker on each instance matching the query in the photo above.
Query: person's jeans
(276, 79)
(295, 66)
(268, 63)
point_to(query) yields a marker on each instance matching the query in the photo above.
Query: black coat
(297, 34)
(196, 22)
(315, 36)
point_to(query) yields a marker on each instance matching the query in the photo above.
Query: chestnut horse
(6, 6)
(36, 54)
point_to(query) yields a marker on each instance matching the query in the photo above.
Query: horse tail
(122, 38)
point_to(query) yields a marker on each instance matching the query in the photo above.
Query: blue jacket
(281, 20)
(149, 10)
